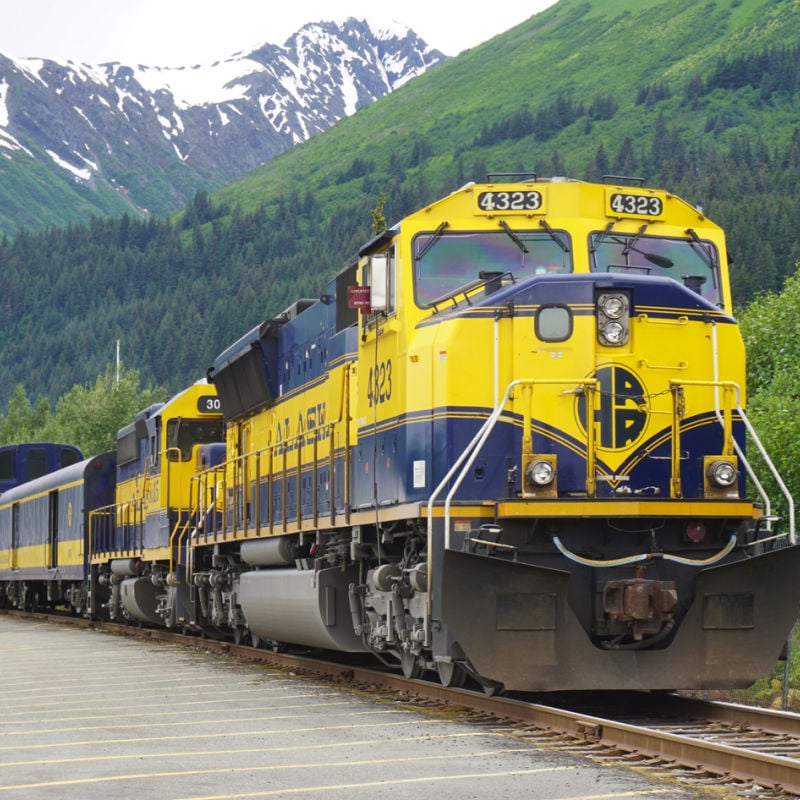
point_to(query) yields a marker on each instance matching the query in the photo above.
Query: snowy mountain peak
(159, 134)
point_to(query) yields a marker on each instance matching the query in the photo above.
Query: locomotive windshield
(447, 263)
(183, 434)
(688, 260)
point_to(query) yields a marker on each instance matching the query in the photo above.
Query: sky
(169, 33)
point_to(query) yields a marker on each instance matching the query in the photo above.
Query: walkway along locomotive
(506, 443)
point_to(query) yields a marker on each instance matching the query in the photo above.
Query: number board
(209, 404)
(633, 204)
(507, 201)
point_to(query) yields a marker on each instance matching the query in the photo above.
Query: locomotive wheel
(451, 674)
(412, 668)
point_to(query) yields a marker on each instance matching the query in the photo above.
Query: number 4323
(379, 385)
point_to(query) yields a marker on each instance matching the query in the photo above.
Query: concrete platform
(88, 715)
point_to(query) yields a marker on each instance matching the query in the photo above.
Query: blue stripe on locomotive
(384, 461)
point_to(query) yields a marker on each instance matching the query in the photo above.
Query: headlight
(540, 472)
(613, 318)
(614, 333)
(722, 474)
(613, 305)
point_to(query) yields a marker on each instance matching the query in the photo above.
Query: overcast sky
(186, 32)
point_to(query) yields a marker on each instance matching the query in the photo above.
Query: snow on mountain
(160, 133)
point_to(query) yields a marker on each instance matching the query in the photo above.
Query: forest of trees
(176, 293)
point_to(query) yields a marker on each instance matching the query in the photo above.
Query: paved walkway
(88, 715)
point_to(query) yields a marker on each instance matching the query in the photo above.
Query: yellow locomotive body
(507, 443)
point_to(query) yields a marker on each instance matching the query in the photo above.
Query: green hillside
(648, 88)
(35, 197)
(699, 98)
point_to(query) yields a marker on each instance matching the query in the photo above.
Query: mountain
(79, 139)
(698, 98)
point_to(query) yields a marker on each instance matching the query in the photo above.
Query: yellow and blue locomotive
(507, 443)
(106, 536)
(137, 543)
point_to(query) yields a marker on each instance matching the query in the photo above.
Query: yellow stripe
(618, 507)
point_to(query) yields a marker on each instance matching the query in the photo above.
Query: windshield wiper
(437, 234)
(653, 258)
(554, 236)
(629, 243)
(513, 236)
(706, 252)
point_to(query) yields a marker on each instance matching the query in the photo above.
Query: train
(507, 445)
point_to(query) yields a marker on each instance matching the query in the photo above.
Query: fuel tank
(300, 607)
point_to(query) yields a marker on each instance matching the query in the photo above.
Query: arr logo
(622, 416)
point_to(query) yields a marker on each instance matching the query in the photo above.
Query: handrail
(470, 452)
(761, 449)
(625, 560)
(467, 289)
(724, 417)
(280, 450)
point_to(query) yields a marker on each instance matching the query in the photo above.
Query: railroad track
(753, 752)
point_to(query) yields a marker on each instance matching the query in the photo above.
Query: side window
(380, 274)
(68, 457)
(184, 434)
(36, 463)
(6, 465)
(553, 323)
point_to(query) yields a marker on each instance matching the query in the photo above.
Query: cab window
(687, 260)
(184, 434)
(446, 264)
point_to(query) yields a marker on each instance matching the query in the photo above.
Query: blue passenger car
(43, 529)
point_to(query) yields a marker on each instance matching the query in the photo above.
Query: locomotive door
(556, 358)
(14, 534)
(52, 532)
(244, 499)
(380, 465)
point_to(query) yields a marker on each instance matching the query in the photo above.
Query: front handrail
(588, 386)
(733, 393)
